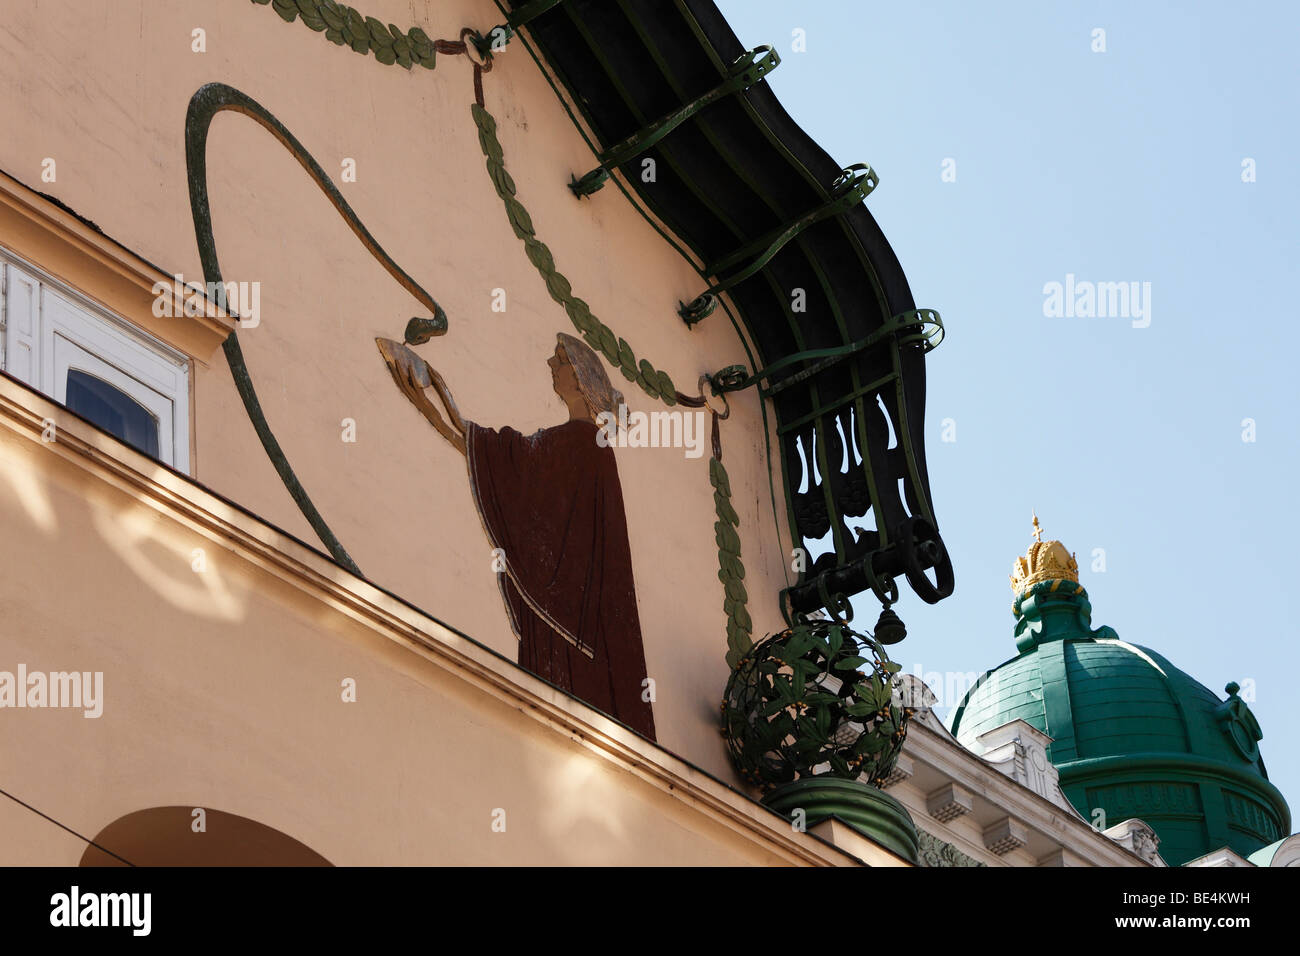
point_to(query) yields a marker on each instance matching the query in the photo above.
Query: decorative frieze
(1250, 815)
(1134, 799)
(935, 852)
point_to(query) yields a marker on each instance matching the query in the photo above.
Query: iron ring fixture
(478, 48)
(704, 393)
(727, 379)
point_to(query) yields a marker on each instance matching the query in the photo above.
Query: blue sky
(1115, 166)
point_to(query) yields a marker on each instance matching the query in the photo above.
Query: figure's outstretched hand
(413, 375)
(410, 372)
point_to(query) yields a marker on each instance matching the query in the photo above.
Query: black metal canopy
(782, 228)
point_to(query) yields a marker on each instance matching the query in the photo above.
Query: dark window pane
(112, 410)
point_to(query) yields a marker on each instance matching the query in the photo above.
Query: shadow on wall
(165, 836)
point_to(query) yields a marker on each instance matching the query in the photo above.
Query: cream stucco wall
(103, 88)
(223, 689)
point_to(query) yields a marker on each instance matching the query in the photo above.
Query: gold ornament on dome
(1044, 561)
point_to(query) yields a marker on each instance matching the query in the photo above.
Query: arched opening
(169, 836)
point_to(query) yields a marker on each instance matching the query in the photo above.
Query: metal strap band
(851, 187)
(928, 333)
(744, 73)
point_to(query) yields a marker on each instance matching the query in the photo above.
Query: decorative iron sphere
(814, 699)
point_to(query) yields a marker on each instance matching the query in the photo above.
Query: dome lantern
(1050, 603)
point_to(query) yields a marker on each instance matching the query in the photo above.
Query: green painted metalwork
(664, 147)
(1133, 736)
(206, 103)
(529, 12)
(499, 36)
(860, 392)
(852, 186)
(734, 378)
(749, 69)
(873, 813)
(819, 410)
(704, 198)
(929, 336)
(815, 695)
(775, 141)
(346, 26)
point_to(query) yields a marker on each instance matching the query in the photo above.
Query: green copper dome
(1133, 735)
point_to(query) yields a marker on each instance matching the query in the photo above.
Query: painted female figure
(552, 503)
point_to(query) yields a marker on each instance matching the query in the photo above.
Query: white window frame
(48, 328)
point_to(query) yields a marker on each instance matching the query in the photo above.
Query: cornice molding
(57, 241)
(960, 767)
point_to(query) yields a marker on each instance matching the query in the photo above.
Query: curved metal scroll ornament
(206, 103)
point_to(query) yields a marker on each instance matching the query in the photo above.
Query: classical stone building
(413, 417)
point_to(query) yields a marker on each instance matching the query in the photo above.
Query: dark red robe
(553, 503)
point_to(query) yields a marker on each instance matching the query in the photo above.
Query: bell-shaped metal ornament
(890, 628)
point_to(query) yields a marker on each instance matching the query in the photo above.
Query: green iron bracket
(851, 187)
(917, 549)
(749, 69)
(500, 35)
(916, 326)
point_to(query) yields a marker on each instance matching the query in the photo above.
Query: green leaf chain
(654, 382)
(731, 571)
(345, 26)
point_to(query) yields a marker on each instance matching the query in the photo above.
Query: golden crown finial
(1044, 561)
